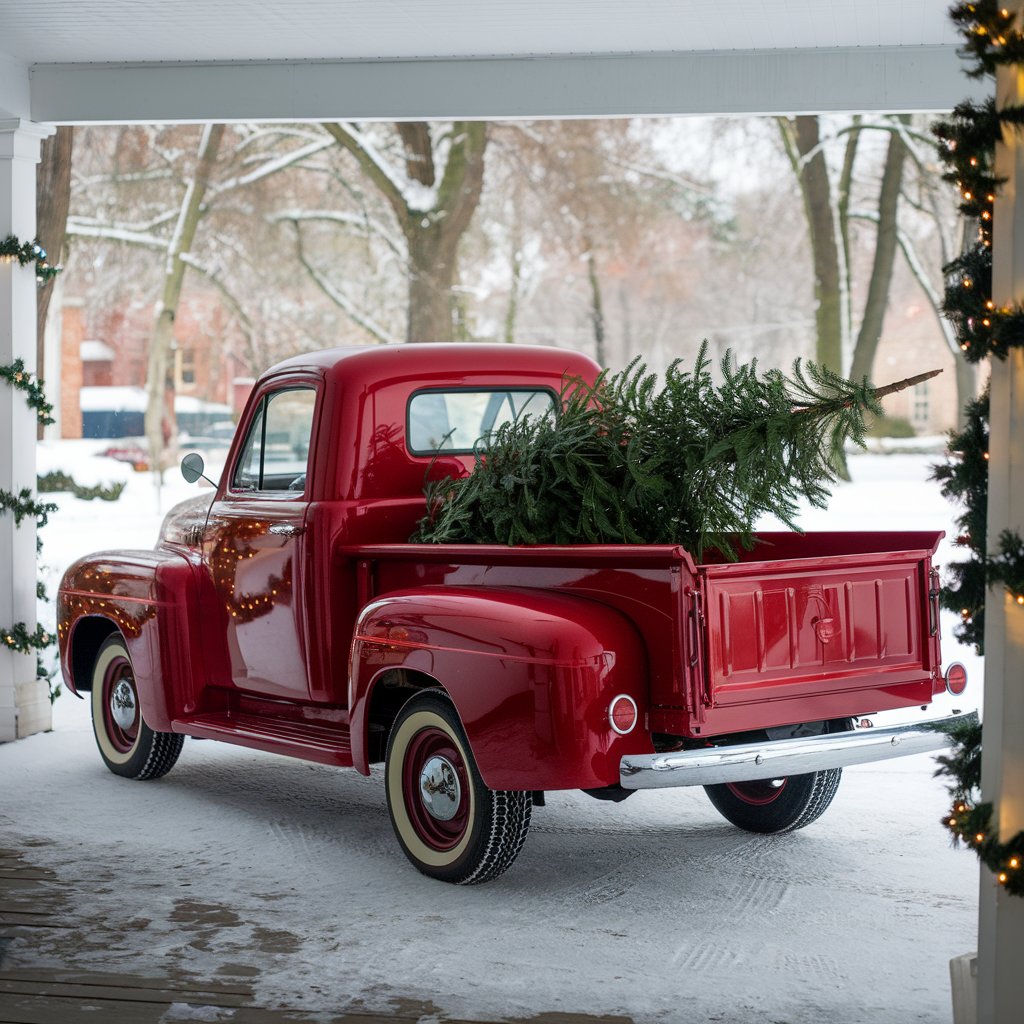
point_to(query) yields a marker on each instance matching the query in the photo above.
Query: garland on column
(11, 250)
(22, 505)
(971, 822)
(17, 376)
(967, 145)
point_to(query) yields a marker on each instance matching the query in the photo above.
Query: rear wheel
(127, 745)
(449, 824)
(776, 805)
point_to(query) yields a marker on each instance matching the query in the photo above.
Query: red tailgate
(855, 631)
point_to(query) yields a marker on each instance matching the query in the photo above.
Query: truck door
(256, 548)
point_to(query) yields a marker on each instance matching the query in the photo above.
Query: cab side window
(276, 448)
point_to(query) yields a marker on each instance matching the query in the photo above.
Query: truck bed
(802, 627)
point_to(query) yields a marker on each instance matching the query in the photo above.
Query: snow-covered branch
(404, 194)
(114, 234)
(340, 299)
(920, 274)
(367, 225)
(278, 163)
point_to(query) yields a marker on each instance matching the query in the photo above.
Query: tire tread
(806, 799)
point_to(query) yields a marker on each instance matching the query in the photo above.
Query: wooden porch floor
(35, 908)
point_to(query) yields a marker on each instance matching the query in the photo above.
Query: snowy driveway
(246, 865)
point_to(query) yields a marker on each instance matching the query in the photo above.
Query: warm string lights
(23, 253)
(235, 548)
(129, 617)
(967, 142)
(970, 822)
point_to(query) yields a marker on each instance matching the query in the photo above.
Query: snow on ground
(244, 864)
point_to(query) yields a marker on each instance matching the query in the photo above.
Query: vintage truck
(291, 614)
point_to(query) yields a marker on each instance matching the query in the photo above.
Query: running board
(775, 759)
(326, 743)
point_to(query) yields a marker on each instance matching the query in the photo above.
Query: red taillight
(622, 714)
(956, 679)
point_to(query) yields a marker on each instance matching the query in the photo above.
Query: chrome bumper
(773, 759)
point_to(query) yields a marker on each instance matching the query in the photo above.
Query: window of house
(921, 407)
(276, 448)
(185, 366)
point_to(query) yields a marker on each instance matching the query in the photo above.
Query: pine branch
(634, 459)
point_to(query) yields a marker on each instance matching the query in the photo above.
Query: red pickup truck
(292, 615)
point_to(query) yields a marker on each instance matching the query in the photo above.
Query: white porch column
(24, 701)
(1001, 917)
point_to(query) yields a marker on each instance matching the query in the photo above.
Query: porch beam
(903, 78)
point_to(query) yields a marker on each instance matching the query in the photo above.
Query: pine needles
(634, 460)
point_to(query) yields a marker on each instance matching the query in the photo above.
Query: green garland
(969, 821)
(967, 143)
(22, 505)
(964, 479)
(19, 378)
(11, 250)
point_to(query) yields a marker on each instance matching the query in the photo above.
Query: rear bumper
(773, 759)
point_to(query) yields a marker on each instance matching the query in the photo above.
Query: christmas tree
(634, 459)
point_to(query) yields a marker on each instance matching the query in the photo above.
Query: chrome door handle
(286, 530)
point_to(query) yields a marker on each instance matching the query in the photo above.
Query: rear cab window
(457, 421)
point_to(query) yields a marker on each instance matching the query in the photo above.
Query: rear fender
(531, 673)
(145, 596)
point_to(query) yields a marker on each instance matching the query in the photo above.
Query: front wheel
(127, 745)
(449, 824)
(776, 805)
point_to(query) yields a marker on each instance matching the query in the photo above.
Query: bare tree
(802, 139)
(432, 190)
(159, 417)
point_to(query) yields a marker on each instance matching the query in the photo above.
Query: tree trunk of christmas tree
(885, 257)
(159, 421)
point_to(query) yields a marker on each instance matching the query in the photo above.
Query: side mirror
(192, 467)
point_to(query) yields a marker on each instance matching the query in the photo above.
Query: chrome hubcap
(440, 789)
(122, 704)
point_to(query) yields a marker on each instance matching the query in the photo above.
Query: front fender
(531, 673)
(145, 595)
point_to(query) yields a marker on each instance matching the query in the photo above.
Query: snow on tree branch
(115, 234)
(272, 166)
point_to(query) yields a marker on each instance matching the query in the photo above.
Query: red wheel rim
(758, 793)
(120, 705)
(432, 747)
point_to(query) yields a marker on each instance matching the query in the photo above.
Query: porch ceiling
(110, 60)
(132, 31)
